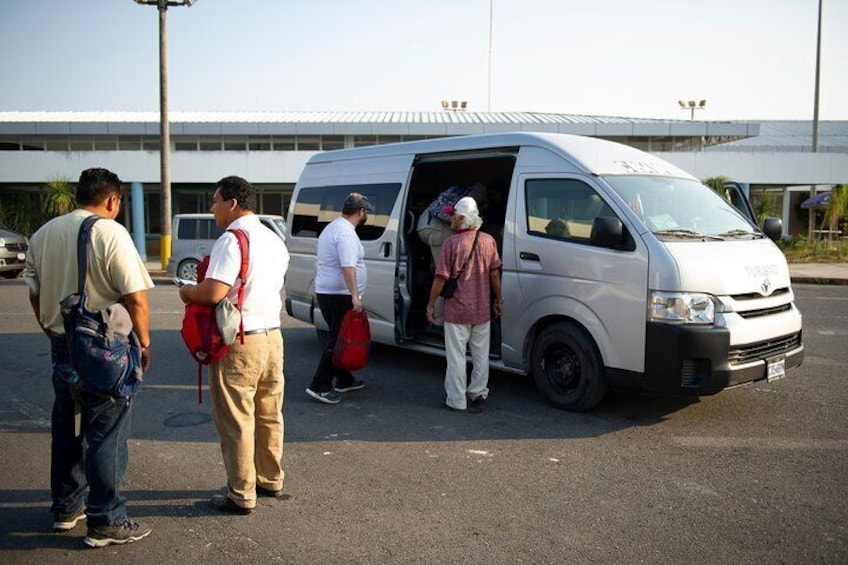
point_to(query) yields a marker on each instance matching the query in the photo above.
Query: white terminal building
(772, 160)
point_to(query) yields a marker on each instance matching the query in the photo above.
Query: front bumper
(699, 360)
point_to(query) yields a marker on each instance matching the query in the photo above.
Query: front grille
(764, 349)
(16, 246)
(765, 311)
(757, 295)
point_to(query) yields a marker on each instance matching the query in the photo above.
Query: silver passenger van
(619, 269)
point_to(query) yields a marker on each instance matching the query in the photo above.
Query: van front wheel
(567, 368)
(187, 270)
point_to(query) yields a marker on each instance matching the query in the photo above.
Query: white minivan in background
(193, 236)
(619, 269)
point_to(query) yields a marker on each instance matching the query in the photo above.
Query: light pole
(691, 106)
(164, 126)
(489, 99)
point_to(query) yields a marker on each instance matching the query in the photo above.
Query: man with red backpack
(246, 384)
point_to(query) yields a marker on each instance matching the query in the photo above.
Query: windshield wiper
(688, 234)
(740, 233)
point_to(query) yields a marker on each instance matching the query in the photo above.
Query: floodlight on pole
(691, 106)
(164, 126)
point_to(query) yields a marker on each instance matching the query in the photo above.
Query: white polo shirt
(339, 246)
(266, 271)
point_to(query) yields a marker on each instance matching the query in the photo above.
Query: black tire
(567, 368)
(323, 336)
(187, 270)
(11, 274)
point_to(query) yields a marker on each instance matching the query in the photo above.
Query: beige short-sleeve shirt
(115, 268)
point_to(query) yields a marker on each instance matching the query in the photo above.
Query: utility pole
(164, 125)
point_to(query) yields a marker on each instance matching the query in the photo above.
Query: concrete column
(137, 199)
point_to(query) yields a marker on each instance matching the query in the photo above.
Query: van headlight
(682, 307)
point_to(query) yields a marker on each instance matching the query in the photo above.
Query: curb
(819, 280)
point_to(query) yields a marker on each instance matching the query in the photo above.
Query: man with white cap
(472, 257)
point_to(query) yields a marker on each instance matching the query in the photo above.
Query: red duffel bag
(354, 342)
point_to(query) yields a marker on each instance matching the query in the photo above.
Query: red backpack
(354, 342)
(200, 328)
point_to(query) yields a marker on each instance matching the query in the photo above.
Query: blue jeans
(96, 458)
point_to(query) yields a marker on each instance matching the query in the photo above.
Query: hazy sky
(750, 59)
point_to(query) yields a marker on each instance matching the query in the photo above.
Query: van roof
(592, 155)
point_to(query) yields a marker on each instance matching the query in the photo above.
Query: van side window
(317, 206)
(210, 230)
(563, 209)
(187, 229)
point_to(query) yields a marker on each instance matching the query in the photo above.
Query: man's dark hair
(95, 185)
(239, 189)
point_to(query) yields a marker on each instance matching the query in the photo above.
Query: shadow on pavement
(402, 402)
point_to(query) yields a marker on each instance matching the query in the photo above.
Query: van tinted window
(563, 209)
(198, 228)
(318, 206)
(187, 229)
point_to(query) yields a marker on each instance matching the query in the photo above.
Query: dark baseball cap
(357, 200)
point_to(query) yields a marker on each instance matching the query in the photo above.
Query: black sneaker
(268, 493)
(226, 504)
(127, 531)
(329, 397)
(477, 405)
(355, 385)
(64, 522)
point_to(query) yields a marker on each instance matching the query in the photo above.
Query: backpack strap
(82, 250)
(244, 247)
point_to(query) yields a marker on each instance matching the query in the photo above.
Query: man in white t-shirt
(89, 431)
(246, 385)
(340, 281)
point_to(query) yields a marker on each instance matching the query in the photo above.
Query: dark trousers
(333, 308)
(94, 460)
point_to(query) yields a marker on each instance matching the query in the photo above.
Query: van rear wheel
(567, 368)
(188, 270)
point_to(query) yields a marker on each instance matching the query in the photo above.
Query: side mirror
(773, 228)
(607, 232)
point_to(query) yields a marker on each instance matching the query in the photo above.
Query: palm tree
(717, 184)
(60, 198)
(836, 209)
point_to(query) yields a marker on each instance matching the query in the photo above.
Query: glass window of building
(308, 143)
(284, 143)
(185, 145)
(234, 146)
(330, 142)
(210, 145)
(259, 144)
(56, 143)
(32, 143)
(105, 143)
(364, 140)
(129, 144)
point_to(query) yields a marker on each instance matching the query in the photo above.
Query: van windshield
(674, 208)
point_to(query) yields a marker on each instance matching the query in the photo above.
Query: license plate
(775, 369)
(21, 256)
